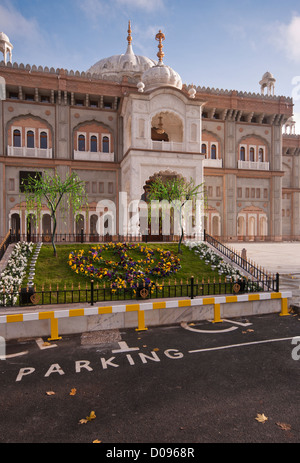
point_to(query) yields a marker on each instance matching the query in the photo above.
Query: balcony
(93, 156)
(167, 146)
(25, 152)
(217, 163)
(253, 165)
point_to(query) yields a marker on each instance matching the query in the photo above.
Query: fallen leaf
(50, 393)
(82, 421)
(261, 418)
(96, 441)
(91, 417)
(156, 349)
(73, 391)
(250, 330)
(46, 344)
(284, 426)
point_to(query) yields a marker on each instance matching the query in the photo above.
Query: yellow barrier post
(284, 307)
(54, 330)
(141, 321)
(217, 312)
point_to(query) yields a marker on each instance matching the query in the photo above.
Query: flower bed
(11, 278)
(214, 260)
(120, 269)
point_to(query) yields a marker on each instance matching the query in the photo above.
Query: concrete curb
(187, 310)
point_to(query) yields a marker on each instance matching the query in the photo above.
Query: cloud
(17, 26)
(96, 8)
(287, 38)
(146, 5)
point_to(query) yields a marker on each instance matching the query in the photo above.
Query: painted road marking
(40, 343)
(237, 323)
(240, 345)
(124, 348)
(189, 328)
(10, 356)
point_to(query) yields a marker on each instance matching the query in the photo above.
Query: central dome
(127, 64)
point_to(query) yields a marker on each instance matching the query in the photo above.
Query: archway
(16, 226)
(93, 228)
(161, 225)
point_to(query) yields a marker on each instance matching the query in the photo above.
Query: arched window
(94, 143)
(30, 139)
(213, 152)
(105, 145)
(43, 140)
(261, 155)
(17, 138)
(242, 153)
(81, 143)
(251, 155)
(203, 148)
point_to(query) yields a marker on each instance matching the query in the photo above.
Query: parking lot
(189, 383)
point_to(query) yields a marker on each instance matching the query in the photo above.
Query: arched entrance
(16, 226)
(161, 224)
(93, 228)
(31, 228)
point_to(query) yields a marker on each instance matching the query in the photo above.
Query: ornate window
(81, 143)
(203, 148)
(43, 140)
(213, 152)
(94, 144)
(261, 155)
(242, 154)
(30, 139)
(252, 154)
(105, 144)
(17, 138)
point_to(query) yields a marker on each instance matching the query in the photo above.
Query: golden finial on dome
(160, 37)
(129, 38)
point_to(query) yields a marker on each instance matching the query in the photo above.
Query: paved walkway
(282, 258)
(5, 258)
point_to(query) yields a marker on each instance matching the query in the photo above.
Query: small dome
(160, 76)
(268, 75)
(3, 37)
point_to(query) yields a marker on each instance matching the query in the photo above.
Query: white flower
(11, 278)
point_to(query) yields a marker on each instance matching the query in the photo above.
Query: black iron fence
(266, 280)
(93, 292)
(61, 238)
(4, 244)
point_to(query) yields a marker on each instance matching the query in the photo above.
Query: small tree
(59, 195)
(177, 192)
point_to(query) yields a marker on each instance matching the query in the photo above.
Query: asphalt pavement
(181, 386)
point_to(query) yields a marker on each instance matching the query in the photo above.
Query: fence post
(192, 287)
(92, 292)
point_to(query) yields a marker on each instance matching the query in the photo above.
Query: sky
(225, 44)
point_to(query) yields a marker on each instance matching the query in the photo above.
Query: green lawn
(55, 271)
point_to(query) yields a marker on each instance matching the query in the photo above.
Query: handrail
(4, 244)
(255, 271)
